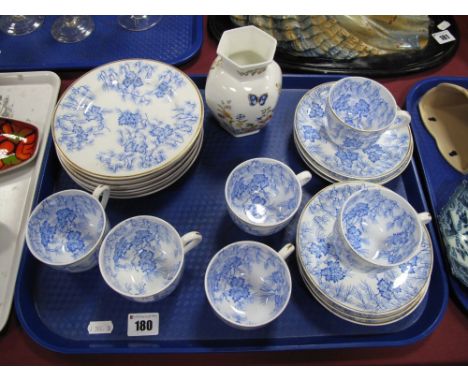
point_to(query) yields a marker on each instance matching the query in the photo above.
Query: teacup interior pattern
(248, 284)
(141, 256)
(65, 227)
(362, 103)
(379, 227)
(263, 192)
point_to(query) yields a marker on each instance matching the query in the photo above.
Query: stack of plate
(368, 297)
(135, 125)
(378, 163)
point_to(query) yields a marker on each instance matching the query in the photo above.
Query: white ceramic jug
(244, 82)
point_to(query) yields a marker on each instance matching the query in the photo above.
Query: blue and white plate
(378, 292)
(145, 185)
(379, 160)
(128, 118)
(332, 177)
(362, 319)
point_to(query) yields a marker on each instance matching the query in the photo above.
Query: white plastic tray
(31, 96)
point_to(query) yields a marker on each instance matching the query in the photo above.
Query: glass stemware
(20, 25)
(69, 29)
(138, 23)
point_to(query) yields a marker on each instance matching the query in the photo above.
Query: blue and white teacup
(359, 110)
(263, 195)
(380, 227)
(248, 284)
(66, 229)
(142, 258)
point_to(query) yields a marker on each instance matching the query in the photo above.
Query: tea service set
(133, 127)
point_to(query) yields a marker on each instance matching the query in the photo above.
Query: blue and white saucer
(332, 177)
(378, 163)
(377, 294)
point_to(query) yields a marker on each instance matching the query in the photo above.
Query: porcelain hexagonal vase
(244, 82)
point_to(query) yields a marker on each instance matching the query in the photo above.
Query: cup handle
(404, 116)
(286, 251)
(101, 193)
(304, 177)
(425, 217)
(191, 240)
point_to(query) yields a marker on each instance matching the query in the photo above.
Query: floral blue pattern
(362, 104)
(363, 292)
(453, 222)
(64, 227)
(263, 191)
(248, 284)
(143, 143)
(128, 117)
(375, 161)
(379, 227)
(81, 120)
(142, 256)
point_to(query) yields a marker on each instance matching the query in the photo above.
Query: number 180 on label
(143, 324)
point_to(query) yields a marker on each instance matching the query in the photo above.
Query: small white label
(100, 327)
(443, 37)
(443, 25)
(143, 324)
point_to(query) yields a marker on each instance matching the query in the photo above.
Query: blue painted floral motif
(169, 81)
(128, 80)
(142, 255)
(355, 290)
(47, 233)
(244, 278)
(453, 222)
(144, 142)
(376, 209)
(65, 227)
(374, 152)
(362, 104)
(333, 271)
(383, 157)
(80, 120)
(386, 289)
(263, 191)
(127, 117)
(75, 244)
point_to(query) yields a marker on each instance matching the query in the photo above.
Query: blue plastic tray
(55, 308)
(440, 178)
(175, 40)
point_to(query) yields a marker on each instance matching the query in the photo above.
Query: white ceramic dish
(29, 96)
(128, 118)
(332, 177)
(151, 187)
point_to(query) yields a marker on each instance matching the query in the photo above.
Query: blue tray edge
(357, 342)
(411, 106)
(197, 40)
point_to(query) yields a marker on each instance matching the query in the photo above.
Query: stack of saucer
(135, 125)
(363, 295)
(380, 162)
